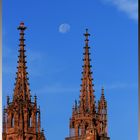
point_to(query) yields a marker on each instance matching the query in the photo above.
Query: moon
(64, 28)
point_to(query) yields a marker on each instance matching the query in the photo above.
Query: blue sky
(54, 44)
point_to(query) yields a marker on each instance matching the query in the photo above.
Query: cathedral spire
(87, 122)
(20, 117)
(87, 96)
(22, 86)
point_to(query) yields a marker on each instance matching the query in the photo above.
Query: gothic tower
(88, 122)
(21, 117)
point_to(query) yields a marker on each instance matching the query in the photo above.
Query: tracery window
(79, 130)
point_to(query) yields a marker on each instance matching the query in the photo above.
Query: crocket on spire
(87, 97)
(22, 86)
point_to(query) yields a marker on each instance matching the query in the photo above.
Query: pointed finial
(86, 36)
(102, 93)
(35, 98)
(102, 90)
(102, 87)
(30, 97)
(21, 26)
(39, 108)
(75, 104)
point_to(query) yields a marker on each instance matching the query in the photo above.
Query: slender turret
(39, 121)
(102, 115)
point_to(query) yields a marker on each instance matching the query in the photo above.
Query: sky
(54, 44)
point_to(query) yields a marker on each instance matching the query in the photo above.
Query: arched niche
(30, 138)
(12, 120)
(10, 138)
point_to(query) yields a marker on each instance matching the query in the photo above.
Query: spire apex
(21, 26)
(102, 90)
(86, 36)
(102, 93)
(102, 98)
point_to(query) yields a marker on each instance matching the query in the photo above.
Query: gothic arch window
(72, 130)
(72, 124)
(101, 127)
(79, 130)
(86, 127)
(12, 120)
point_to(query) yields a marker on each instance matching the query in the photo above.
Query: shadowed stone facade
(21, 117)
(88, 121)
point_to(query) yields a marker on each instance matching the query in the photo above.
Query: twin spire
(85, 118)
(87, 98)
